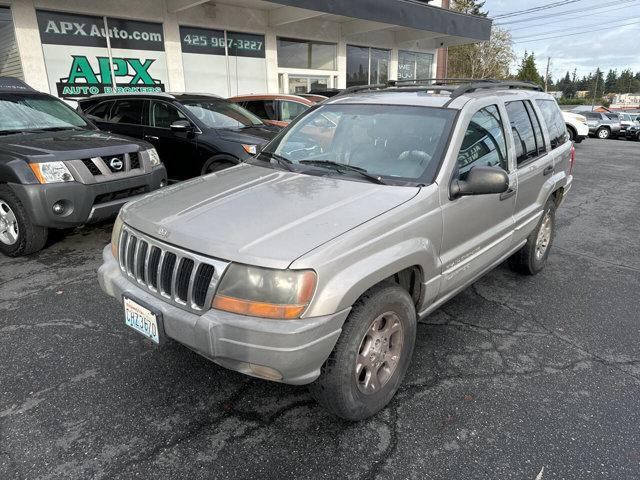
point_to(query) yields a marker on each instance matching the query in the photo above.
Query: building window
(414, 65)
(306, 54)
(367, 65)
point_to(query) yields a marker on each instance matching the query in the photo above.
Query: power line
(581, 27)
(571, 34)
(557, 14)
(575, 17)
(536, 9)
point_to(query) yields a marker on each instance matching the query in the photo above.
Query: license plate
(142, 320)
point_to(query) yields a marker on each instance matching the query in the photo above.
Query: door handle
(151, 137)
(548, 170)
(508, 194)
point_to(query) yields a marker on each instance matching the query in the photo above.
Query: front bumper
(294, 348)
(85, 203)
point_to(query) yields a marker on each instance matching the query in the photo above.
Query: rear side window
(554, 121)
(127, 111)
(523, 133)
(262, 108)
(291, 110)
(100, 111)
(484, 142)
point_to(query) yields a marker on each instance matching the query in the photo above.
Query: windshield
(221, 114)
(36, 112)
(403, 143)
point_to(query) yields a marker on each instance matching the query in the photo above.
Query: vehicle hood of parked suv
(66, 145)
(255, 135)
(260, 216)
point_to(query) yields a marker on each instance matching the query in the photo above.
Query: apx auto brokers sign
(78, 61)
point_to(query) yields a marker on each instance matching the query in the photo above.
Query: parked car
(626, 120)
(577, 127)
(633, 132)
(194, 134)
(325, 92)
(602, 126)
(57, 170)
(274, 109)
(312, 262)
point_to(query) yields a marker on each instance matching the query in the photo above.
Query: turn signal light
(257, 309)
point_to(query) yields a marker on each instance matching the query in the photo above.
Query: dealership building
(76, 48)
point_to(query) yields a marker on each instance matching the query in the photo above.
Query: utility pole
(595, 90)
(546, 75)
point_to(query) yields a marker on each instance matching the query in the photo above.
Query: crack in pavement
(577, 347)
(596, 259)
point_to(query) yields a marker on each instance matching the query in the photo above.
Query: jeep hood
(260, 216)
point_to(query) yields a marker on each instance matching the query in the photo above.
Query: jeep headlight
(115, 236)
(154, 158)
(51, 172)
(265, 292)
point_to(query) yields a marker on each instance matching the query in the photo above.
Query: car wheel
(603, 133)
(215, 165)
(18, 235)
(532, 257)
(572, 134)
(370, 358)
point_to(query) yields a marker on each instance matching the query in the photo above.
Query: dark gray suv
(602, 126)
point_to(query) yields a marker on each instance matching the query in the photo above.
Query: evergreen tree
(528, 70)
(611, 82)
(473, 7)
(567, 86)
(596, 84)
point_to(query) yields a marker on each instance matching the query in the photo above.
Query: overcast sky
(602, 33)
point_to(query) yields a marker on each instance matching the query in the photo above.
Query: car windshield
(19, 113)
(397, 143)
(221, 114)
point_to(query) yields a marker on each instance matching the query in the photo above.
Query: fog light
(265, 372)
(58, 208)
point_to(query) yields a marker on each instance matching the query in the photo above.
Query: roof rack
(455, 86)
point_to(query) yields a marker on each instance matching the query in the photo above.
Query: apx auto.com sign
(78, 61)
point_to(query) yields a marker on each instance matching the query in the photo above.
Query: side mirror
(480, 180)
(181, 126)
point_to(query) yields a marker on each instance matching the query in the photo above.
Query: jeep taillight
(573, 159)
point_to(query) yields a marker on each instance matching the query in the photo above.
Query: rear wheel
(18, 236)
(532, 257)
(572, 133)
(603, 133)
(367, 365)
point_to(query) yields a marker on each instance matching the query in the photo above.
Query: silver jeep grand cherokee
(312, 262)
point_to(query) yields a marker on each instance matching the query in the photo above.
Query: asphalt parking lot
(514, 375)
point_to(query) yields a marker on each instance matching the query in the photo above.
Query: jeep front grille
(185, 279)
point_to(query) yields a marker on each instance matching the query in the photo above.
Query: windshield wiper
(282, 161)
(342, 167)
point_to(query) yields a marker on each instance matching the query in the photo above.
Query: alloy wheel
(544, 236)
(379, 353)
(8, 224)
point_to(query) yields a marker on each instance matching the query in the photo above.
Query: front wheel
(532, 257)
(367, 365)
(18, 235)
(215, 165)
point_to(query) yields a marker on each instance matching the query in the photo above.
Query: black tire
(526, 260)
(216, 164)
(31, 238)
(603, 133)
(572, 133)
(338, 389)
